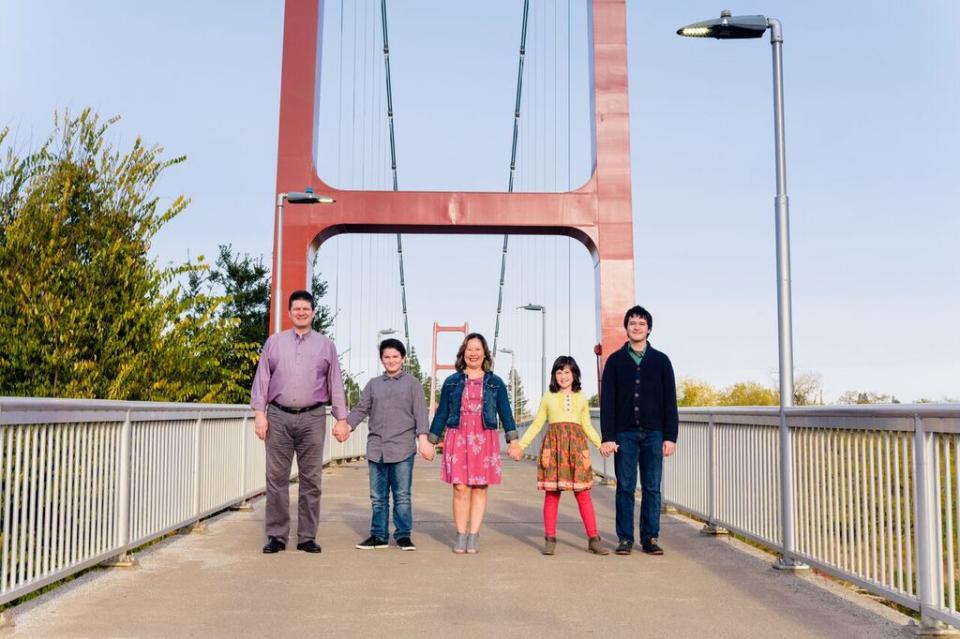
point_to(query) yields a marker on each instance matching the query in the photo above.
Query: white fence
(82, 481)
(876, 491)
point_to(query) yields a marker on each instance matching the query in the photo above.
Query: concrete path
(219, 584)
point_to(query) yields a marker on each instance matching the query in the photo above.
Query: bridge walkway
(218, 584)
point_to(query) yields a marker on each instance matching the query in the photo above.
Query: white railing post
(711, 527)
(198, 526)
(925, 503)
(243, 505)
(124, 559)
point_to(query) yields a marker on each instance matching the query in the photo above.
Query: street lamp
(543, 351)
(513, 381)
(293, 197)
(730, 27)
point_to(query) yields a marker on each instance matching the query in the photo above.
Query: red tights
(551, 505)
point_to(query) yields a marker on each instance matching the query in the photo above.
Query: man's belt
(296, 411)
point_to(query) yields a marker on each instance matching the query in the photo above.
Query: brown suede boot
(595, 545)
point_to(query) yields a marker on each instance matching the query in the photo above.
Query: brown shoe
(595, 545)
(549, 545)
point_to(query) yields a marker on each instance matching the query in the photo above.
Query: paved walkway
(218, 584)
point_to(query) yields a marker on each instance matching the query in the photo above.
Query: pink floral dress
(471, 453)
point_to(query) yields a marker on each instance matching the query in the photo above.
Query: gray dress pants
(287, 434)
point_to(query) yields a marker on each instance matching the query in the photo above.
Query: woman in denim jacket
(470, 401)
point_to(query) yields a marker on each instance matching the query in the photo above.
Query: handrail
(85, 481)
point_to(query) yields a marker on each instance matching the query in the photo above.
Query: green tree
(414, 367)
(244, 283)
(517, 395)
(749, 394)
(594, 401)
(692, 392)
(84, 311)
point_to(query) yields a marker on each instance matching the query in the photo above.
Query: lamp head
(308, 197)
(532, 307)
(727, 27)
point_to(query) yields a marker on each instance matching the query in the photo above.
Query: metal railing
(876, 491)
(83, 481)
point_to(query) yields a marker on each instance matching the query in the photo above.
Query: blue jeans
(643, 450)
(386, 478)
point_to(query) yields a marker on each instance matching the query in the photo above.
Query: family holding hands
(299, 374)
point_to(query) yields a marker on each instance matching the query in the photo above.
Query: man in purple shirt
(298, 375)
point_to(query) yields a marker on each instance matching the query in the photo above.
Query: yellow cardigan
(556, 408)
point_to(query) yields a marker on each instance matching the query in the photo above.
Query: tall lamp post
(543, 351)
(513, 381)
(730, 27)
(293, 197)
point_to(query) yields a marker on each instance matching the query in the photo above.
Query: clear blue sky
(872, 97)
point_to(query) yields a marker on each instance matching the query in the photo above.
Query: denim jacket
(496, 401)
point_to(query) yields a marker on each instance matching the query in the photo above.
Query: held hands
(609, 448)
(260, 425)
(514, 451)
(427, 450)
(669, 448)
(341, 431)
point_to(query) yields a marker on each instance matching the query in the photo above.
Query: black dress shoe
(273, 545)
(308, 546)
(624, 548)
(651, 547)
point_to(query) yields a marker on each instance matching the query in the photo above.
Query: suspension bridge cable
(513, 167)
(393, 162)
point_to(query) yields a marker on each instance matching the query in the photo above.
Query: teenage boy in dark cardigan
(638, 422)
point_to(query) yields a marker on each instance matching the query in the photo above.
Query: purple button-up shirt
(297, 371)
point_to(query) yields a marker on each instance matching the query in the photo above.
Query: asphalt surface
(219, 584)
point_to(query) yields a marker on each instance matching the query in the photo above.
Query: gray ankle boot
(549, 545)
(473, 543)
(461, 546)
(595, 545)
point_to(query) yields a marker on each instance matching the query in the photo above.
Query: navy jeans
(386, 478)
(639, 450)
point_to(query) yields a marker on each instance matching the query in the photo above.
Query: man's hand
(341, 430)
(669, 448)
(608, 448)
(260, 424)
(427, 450)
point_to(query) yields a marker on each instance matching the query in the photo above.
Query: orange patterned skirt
(564, 462)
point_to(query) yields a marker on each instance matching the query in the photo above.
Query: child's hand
(514, 451)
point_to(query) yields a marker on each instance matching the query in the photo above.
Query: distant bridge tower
(598, 214)
(465, 329)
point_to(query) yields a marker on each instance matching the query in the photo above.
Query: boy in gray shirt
(397, 413)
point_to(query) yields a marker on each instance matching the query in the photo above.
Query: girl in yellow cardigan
(564, 462)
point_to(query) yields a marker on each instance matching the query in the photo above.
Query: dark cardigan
(656, 390)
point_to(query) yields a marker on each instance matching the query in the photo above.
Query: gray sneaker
(461, 546)
(473, 543)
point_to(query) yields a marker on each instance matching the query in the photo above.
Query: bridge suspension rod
(513, 167)
(393, 163)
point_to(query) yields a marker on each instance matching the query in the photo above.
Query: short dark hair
(564, 361)
(395, 344)
(461, 363)
(300, 295)
(641, 312)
